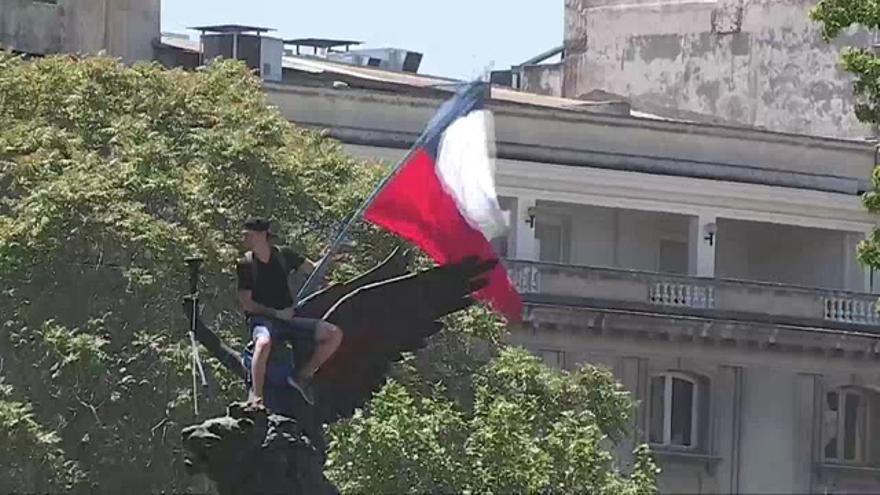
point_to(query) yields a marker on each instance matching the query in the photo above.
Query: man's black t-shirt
(269, 288)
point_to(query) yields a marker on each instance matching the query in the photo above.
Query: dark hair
(258, 224)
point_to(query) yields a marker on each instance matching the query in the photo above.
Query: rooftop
(331, 72)
(317, 71)
(356, 103)
(180, 42)
(372, 78)
(321, 42)
(595, 102)
(231, 28)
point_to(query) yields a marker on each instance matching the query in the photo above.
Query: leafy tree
(837, 16)
(110, 176)
(530, 429)
(21, 433)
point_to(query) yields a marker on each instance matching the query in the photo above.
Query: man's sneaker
(304, 388)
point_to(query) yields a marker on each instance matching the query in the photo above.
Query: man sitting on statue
(265, 296)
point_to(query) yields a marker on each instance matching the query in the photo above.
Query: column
(727, 391)
(633, 375)
(855, 276)
(703, 239)
(870, 286)
(807, 428)
(526, 245)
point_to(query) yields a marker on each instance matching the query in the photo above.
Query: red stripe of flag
(414, 206)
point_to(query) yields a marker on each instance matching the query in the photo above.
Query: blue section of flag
(471, 96)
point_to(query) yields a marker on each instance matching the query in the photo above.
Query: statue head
(251, 451)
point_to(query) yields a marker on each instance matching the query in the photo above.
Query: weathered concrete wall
(761, 422)
(589, 139)
(29, 26)
(132, 26)
(762, 251)
(545, 79)
(84, 24)
(632, 239)
(121, 28)
(756, 62)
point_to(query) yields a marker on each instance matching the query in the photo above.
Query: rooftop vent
(319, 46)
(341, 51)
(246, 43)
(383, 58)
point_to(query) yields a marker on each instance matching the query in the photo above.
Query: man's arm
(308, 266)
(303, 265)
(251, 306)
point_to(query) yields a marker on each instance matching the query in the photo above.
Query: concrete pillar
(124, 29)
(870, 286)
(526, 246)
(807, 407)
(633, 374)
(850, 281)
(855, 276)
(702, 242)
(727, 415)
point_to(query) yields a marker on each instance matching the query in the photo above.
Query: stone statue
(280, 448)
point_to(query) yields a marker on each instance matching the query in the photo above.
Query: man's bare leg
(328, 337)
(262, 347)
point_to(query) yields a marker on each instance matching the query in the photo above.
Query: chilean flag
(442, 196)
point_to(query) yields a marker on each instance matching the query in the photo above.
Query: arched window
(847, 425)
(677, 410)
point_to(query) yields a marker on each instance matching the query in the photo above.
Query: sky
(458, 38)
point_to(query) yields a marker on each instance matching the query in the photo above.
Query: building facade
(754, 62)
(712, 268)
(121, 28)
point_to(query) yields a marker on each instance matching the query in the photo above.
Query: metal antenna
(197, 370)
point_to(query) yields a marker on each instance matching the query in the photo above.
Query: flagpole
(324, 264)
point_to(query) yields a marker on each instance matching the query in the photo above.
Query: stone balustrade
(569, 284)
(681, 294)
(858, 309)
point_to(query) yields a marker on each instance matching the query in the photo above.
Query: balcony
(678, 294)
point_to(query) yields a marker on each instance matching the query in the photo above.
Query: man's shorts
(296, 329)
(278, 370)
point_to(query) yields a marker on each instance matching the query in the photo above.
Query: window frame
(503, 243)
(668, 380)
(551, 217)
(863, 433)
(558, 354)
(673, 239)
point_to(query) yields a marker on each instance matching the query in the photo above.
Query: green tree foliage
(110, 176)
(530, 429)
(837, 16)
(29, 448)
